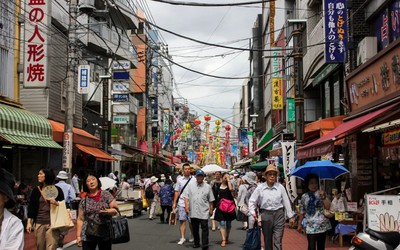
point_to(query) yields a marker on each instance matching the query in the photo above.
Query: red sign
(36, 26)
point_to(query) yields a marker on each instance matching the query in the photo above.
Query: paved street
(147, 234)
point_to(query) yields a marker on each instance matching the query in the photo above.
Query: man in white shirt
(75, 184)
(68, 190)
(271, 199)
(199, 205)
(179, 202)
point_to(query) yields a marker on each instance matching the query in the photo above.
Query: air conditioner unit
(366, 49)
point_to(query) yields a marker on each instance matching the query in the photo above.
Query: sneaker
(181, 241)
(191, 239)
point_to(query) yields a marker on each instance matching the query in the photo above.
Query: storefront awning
(324, 144)
(242, 162)
(80, 136)
(265, 138)
(265, 145)
(19, 126)
(168, 164)
(259, 165)
(322, 127)
(118, 152)
(98, 153)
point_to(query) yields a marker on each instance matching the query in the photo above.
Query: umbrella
(107, 183)
(212, 168)
(326, 170)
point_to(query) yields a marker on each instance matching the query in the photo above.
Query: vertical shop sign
(288, 165)
(395, 17)
(335, 31)
(382, 29)
(83, 79)
(277, 97)
(36, 21)
(291, 116)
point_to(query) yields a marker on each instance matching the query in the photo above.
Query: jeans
(196, 223)
(316, 240)
(225, 224)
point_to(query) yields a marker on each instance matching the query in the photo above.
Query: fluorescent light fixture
(382, 126)
(105, 76)
(254, 115)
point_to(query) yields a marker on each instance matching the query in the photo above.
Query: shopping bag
(172, 218)
(60, 216)
(253, 240)
(119, 229)
(227, 206)
(158, 210)
(145, 205)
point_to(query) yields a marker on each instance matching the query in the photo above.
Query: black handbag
(119, 229)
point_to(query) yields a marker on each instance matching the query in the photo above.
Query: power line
(208, 4)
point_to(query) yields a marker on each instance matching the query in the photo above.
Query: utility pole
(70, 88)
(298, 70)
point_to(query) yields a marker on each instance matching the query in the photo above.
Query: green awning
(19, 126)
(259, 165)
(264, 139)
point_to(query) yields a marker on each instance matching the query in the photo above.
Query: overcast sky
(222, 25)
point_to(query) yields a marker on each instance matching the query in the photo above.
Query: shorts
(182, 215)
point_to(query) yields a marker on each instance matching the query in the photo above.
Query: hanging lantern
(207, 117)
(197, 122)
(210, 137)
(178, 130)
(227, 127)
(218, 122)
(187, 126)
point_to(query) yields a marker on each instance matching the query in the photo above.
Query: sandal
(213, 229)
(223, 243)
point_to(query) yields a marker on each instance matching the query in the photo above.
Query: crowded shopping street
(204, 124)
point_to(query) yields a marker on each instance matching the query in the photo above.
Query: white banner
(383, 212)
(36, 28)
(288, 164)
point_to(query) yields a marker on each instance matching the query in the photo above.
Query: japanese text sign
(277, 96)
(36, 25)
(383, 212)
(335, 31)
(83, 79)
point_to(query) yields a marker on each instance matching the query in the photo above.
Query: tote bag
(60, 216)
(119, 229)
(227, 206)
(253, 240)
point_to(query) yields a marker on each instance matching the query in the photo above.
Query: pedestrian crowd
(190, 199)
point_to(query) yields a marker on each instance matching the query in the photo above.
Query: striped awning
(19, 126)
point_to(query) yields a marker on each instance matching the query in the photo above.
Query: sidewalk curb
(69, 244)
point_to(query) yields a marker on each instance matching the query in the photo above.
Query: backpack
(149, 192)
(250, 191)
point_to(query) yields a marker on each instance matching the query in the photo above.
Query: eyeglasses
(272, 174)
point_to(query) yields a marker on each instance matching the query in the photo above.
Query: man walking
(179, 202)
(199, 205)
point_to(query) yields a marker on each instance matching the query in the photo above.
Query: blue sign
(335, 31)
(83, 79)
(120, 97)
(120, 75)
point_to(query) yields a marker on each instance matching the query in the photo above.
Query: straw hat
(153, 179)
(271, 168)
(163, 177)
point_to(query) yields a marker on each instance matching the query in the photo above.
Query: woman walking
(272, 201)
(166, 196)
(312, 206)
(225, 191)
(94, 211)
(215, 184)
(39, 211)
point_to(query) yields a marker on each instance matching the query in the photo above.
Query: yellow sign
(277, 97)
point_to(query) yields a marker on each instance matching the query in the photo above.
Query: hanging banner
(36, 29)
(277, 96)
(335, 24)
(290, 110)
(288, 165)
